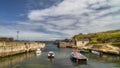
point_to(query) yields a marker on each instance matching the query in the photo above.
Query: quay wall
(11, 48)
(84, 44)
(105, 48)
(66, 44)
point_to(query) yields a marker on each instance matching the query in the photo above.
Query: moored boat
(78, 57)
(83, 51)
(96, 53)
(51, 54)
(38, 51)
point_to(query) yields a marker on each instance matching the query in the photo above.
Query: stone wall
(10, 48)
(66, 44)
(105, 48)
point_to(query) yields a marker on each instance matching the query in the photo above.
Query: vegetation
(116, 44)
(112, 36)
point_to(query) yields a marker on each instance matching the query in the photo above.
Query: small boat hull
(77, 57)
(38, 54)
(96, 53)
(78, 60)
(51, 54)
(38, 51)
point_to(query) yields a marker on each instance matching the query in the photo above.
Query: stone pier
(11, 48)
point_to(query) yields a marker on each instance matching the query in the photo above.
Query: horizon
(57, 19)
(54, 39)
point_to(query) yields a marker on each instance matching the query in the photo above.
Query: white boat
(38, 51)
(51, 54)
(78, 57)
(96, 53)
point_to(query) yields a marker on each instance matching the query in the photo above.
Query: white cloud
(72, 7)
(38, 36)
(79, 16)
(27, 34)
(7, 32)
(68, 18)
(63, 22)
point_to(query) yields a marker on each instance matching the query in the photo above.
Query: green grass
(116, 44)
(100, 37)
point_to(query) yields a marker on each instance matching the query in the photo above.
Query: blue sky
(57, 19)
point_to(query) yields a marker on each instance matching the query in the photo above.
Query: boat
(83, 51)
(38, 51)
(96, 53)
(78, 57)
(51, 54)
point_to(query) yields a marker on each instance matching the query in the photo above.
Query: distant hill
(100, 37)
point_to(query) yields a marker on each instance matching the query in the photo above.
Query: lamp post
(17, 35)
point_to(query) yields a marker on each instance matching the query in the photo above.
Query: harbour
(62, 59)
(60, 34)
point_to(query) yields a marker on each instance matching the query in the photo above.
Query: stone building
(82, 42)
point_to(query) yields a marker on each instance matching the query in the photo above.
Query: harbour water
(61, 60)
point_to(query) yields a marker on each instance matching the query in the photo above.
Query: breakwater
(11, 48)
(105, 48)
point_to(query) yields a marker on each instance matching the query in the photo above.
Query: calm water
(30, 60)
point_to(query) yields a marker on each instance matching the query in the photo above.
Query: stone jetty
(105, 48)
(11, 48)
(84, 44)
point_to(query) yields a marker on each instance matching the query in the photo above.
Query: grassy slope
(112, 37)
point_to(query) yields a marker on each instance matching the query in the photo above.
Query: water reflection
(78, 63)
(8, 61)
(51, 60)
(38, 54)
(108, 59)
(105, 58)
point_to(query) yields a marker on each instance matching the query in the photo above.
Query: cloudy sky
(57, 19)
